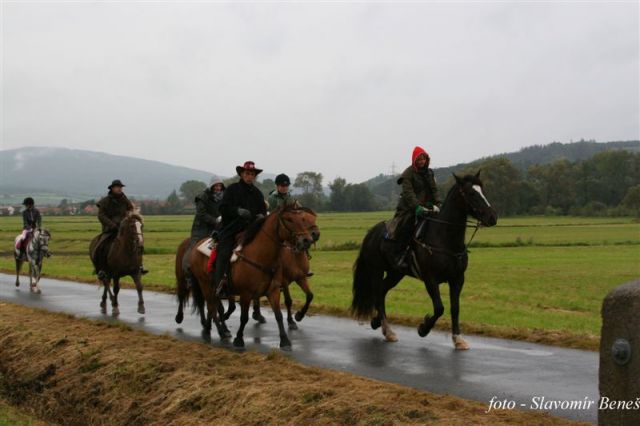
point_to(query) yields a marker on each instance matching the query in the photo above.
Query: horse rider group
(231, 210)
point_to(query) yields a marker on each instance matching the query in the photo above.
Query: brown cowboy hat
(248, 166)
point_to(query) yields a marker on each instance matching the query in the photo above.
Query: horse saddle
(206, 246)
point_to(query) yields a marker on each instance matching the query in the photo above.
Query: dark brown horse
(254, 266)
(124, 258)
(294, 267)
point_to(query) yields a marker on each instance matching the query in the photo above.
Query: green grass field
(543, 273)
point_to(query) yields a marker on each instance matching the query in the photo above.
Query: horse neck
(452, 233)
(265, 247)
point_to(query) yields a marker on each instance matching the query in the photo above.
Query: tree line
(607, 184)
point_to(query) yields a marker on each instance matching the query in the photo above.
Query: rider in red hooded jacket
(419, 198)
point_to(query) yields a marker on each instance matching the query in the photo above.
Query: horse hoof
(460, 344)
(103, 309)
(259, 318)
(38, 291)
(298, 316)
(17, 284)
(293, 326)
(376, 323)
(391, 337)
(422, 330)
(285, 344)
(141, 309)
(179, 317)
(226, 334)
(238, 342)
(115, 312)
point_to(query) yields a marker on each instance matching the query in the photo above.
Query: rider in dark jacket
(112, 209)
(241, 204)
(207, 215)
(419, 198)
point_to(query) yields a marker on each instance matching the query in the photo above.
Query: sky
(343, 88)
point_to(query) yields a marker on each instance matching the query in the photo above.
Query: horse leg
(257, 315)
(390, 281)
(137, 280)
(115, 310)
(103, 303)
(304, 285)
(438, 309)
(231, 309)
(455, 288)
(245, 301)
(288, 303)
(18, 268)
(274, 300)
(31, 276)
(221, 315)
(37, 273)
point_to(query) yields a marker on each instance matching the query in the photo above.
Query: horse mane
(252, 231)
(134, 216)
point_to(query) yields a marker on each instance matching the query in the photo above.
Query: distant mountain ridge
(51, 174)
(81, 175)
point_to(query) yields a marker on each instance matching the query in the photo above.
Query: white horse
(37, 249)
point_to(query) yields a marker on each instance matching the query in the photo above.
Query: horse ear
(478, 174)
(458, 179)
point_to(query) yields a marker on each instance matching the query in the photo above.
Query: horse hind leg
(18, 268)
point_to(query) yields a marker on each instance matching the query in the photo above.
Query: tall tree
(191, 188)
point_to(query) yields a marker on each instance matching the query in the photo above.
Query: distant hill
(51, 174)
(385, 187)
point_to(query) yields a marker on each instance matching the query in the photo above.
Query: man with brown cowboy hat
(112, 209)
(242, 204)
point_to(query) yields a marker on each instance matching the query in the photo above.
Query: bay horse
(440, 256)
(124, 258)
(255, 263)
(37, 249)
(293, 267)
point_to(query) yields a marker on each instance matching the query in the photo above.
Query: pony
(124, 258)
(37, 249)
(438, 254)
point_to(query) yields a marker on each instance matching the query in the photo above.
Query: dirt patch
(74, 371)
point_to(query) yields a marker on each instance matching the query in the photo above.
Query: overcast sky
(346, 89)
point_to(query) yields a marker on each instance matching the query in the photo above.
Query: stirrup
(221, 291)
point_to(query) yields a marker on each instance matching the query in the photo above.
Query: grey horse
(37, 249)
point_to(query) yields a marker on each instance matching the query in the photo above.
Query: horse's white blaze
(479, 191)
(139, 232)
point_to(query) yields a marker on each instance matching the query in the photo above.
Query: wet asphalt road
(516, 371)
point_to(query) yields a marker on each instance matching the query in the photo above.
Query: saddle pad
(205, 247)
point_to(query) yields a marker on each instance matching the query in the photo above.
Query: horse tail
(368, 274)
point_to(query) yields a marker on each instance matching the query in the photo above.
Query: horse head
(41, 238)
(131, 227)
(297, 226)
(475, 202)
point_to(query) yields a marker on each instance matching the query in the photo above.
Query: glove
(259, 216)
(436, 209)
(420, 211)
(244, 213)
(219, 220)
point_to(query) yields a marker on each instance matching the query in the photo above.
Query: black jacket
(207, 211)
(31, 219)
(241, 195)
(112, 209)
